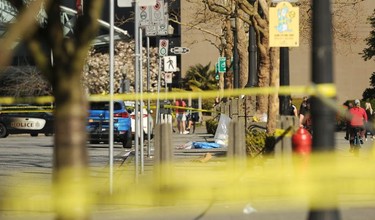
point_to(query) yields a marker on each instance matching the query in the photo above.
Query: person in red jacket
(181, 116)
(358, 120)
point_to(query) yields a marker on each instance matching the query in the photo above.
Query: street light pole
(252, 72)
(323, 116)
(284, 79)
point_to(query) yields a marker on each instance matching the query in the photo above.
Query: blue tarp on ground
(205, 145)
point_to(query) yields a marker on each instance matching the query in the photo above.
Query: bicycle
(356, 141)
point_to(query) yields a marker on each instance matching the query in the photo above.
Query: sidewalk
(179, 143)
(218, 208)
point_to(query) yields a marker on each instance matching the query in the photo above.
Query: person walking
(292, 109)
(181, 116)
(347, 130)
(369, 125)
(305, 116)
(303, 105)
(357, 121)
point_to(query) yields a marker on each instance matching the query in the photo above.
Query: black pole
(235, 59)
(284, 79)
(323, 117)
(252, 78)
(235, 53)
(252, 72)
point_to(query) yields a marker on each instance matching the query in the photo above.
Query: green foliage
(369, 93)
(369, 51)
(211, 126)
(258, 143)
(207, 104)
(200, 77)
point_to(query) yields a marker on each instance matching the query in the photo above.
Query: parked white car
(130, 105)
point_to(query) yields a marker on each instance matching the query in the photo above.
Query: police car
(25, 120)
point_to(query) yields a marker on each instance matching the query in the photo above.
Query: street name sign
(222, 67)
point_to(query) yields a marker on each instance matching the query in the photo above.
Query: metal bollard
(163, 164)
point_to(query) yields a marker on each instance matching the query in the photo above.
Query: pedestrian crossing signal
(170, 64)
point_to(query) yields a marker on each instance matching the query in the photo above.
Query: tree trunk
(70, 168)
(243, 54)
(228, 52)
(273, 107)
(70, 120)
(263, 73)
(70, 164)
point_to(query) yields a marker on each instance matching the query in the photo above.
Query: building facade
(351, 72)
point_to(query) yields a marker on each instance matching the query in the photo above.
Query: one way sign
(180, 50)
(128, 3)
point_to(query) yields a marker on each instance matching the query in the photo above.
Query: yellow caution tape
(317, 180)
(325, 90)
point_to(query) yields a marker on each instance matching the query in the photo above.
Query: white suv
(130, 106)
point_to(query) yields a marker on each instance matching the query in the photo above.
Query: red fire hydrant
(302, 141)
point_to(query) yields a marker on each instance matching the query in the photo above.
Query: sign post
(222, 65)
(138, 5)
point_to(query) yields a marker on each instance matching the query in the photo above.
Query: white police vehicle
(25, 119)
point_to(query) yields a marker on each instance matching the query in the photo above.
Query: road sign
(146, 2)
(163, 25)
(180, 50)
(222, 64)
(170, 64)
(128, 3)
(151, 30)
(144, 16)
(163, 47)
(154, 18)
(124, 3)
(168, 77)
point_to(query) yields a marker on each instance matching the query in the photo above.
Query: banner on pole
(284, 25)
